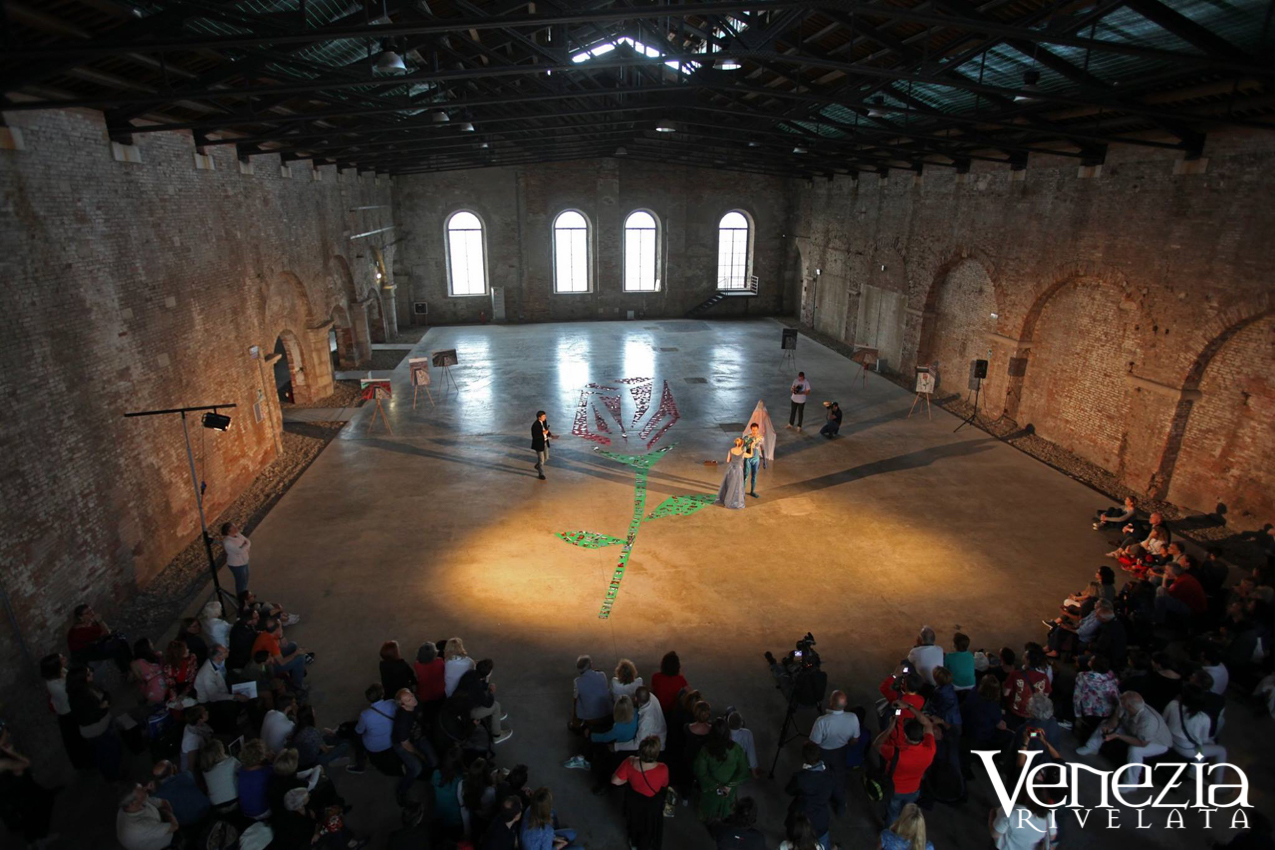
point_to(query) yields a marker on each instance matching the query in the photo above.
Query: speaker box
(980, 368)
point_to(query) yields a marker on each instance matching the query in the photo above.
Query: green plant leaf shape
(681, 505)
(588, 539)
(637, 461)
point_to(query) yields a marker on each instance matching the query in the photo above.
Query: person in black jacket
(812, 788)
(738, 832)
(481, 697)
(243, 634)
(503, 832)
(541, 436)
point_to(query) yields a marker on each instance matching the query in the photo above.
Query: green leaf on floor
(588, 539)
(681, 505)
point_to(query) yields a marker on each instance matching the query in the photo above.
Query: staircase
(721, 295)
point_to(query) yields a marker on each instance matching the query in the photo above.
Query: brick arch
(289, 283)
(1216, 334)
(1062, 277)
(295, 351)
(927, 343)
(342, 274)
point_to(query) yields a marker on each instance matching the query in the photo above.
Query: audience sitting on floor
(1134, 673)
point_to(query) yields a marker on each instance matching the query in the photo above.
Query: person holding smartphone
(541, 436)
(800, 389)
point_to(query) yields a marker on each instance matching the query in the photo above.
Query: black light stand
(194, 482)
(978, 386)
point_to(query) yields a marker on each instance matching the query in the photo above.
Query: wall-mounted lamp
(994, 316)
(818, 272)
(883, 267)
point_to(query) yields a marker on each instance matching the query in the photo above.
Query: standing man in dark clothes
(540, 439)
(812, 789)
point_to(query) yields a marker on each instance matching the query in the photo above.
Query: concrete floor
(443, 529)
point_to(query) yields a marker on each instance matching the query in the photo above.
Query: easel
(863, 373)
(865, 357)
(416, 389)
(447, 377)
(789, 360)
(379, 410)
(927, 405)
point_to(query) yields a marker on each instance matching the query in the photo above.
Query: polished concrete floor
(442, 529)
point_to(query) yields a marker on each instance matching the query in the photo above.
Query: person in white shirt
(833, 732)
(195, 735)
(743, 736)
(1189, 725)
(217, 629)
(1024, 828)
(236, 546)
(278, 724)
(212, 691)
(800, 389)
(142, 824)
(456, 663)
(650, 721)
(221, 773)
(626, 681)
(925, 656)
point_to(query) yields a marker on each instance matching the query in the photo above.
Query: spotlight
(465, 127)
(665, 127)
(216, 421)
(391, 63)
(1031, 80)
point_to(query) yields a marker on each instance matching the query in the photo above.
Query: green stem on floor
(639, 508)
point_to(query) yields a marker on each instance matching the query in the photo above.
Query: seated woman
(180, 667)
(1115, 517)
(147, 670)
(221, 775)
(1141, 555)
(1076, 606)
(1096, 697)
(254, 780)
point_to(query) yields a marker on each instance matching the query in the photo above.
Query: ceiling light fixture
(665, 127)
(621, 151)
(799, 149)
(465, 127)
(439, 117)
(391, 63)
(1031, 81)
(484, 146)
(727, 64)
(754, 144)
(877, 110)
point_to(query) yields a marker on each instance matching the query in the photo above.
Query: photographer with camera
(903, 686)
(907, 747)
(798, 675)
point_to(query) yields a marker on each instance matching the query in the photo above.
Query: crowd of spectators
(1134, 671)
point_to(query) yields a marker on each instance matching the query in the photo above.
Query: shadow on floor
(909, 460)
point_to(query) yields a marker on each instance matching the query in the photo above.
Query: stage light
(391, 63)
(216, 421)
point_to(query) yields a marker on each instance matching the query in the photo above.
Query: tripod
(790, 717)
(978, 386)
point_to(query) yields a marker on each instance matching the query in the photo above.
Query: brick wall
(518, 206)
(142, 284)
(1132, 307)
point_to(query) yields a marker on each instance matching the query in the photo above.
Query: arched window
(641, 252)
(466, 257)
(734, 251)
(570, 252)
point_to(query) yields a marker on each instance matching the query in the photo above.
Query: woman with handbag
(647, 781)
(720, 767)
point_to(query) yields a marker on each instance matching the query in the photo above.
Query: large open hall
(504, 425)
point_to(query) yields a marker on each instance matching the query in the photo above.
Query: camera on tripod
(799, 677)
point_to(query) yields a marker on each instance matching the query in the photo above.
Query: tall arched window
(641, 252)
(570, 252)
(466, 257)
(734, 251)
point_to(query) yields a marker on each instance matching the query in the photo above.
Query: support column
(360, 334)
(318, 382)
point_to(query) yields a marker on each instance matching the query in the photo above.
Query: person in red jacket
(903, 686)
(906, 757)
(669, 682)
(1181, 596)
